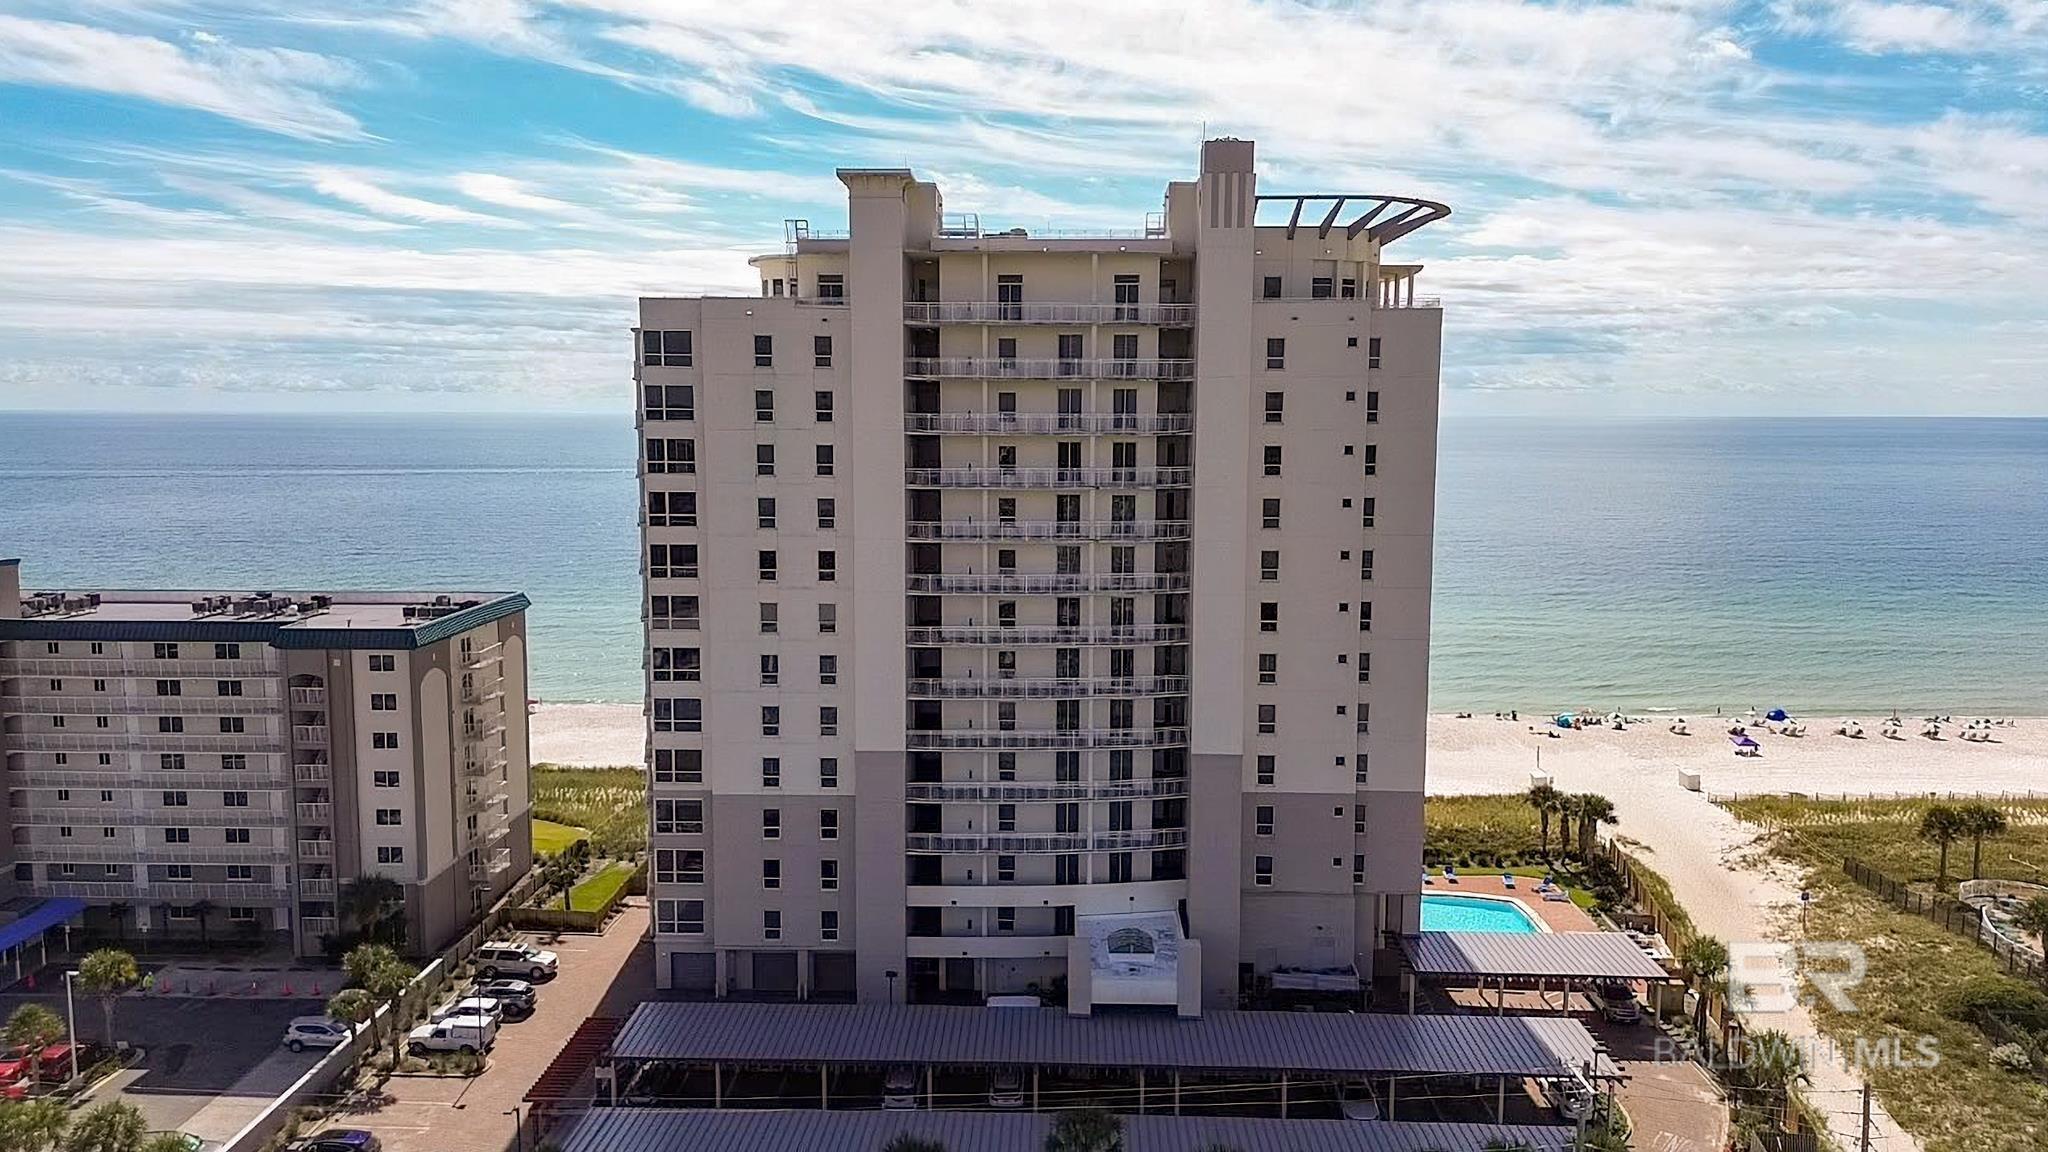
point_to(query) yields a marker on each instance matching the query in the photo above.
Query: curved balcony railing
(154, 817)
(170, 891)
(1048, 634)
(1048, 530)
(128, 666)
(150, 854)
(1042, 583)
(1007, 312)
(1065, 688)
(1050, 423)
(1006, 368)
(1028, 843)
(151, 742)
(110, 704)
(249, 781)
(1067, 738)
(978, 477)
(1005, 791)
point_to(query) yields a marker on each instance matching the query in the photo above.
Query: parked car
(511, 992)
(16, 1089)
(314, 1032)
(341, 1140)
(455, 1034)
(187, 1140)
(1356, 1101)
(483, 1006)
(1006, 1088)
(899, 1088)
(1617, 1001)
(13, 1063)
(513, 958)
(56, 1059)
(1571, 1096)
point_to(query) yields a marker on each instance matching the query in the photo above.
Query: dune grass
(610, 802)
(1885, 834)
(550, 837)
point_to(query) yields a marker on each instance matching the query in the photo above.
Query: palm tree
(365, 959)
(115, 1126)
(1543, 798)
(33, 1125)
(559, 874)
(1706, 959)
(105, 973)
(354, 1006)
(1981, 820)
(2033, 917)
(905, 1142)
(34, 1027)
(1566, 807)
(1772, 1063)
(167, 1142)
(1593, 811)
(1085, 1130)
(202, 911)
(367, 901)
(1942, 825)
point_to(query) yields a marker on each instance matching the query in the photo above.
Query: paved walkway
(231, 1111)
(599, 975)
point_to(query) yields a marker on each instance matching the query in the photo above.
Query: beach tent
(1777, 714)
(1743, 743)
(1564, 719)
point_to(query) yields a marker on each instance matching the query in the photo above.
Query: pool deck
(1557, 915)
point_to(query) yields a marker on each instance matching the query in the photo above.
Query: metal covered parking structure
(659, 1129)
(1383, 1048)
(1464, 959)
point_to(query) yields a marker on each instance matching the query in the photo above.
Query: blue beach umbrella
(1564, 719)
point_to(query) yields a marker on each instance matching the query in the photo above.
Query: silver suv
(511, 958)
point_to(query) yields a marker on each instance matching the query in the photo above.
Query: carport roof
(653, 1129)
(46, 914)
(1574, 955)
(1372, 1043)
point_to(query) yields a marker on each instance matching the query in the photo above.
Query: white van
(899, 1088)
(1570, 1095)
(455, 1034)
(1355, 1099)
(1006, 1088)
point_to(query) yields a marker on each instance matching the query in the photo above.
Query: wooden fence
(1950, 913)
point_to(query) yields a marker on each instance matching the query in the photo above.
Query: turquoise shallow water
(1820, 565)
(1470, 914)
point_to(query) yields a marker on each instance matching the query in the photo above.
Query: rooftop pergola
(1465, 959)
(1383, 219)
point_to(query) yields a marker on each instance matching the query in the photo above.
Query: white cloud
(507, 193)
(275, 89)
(355, 189)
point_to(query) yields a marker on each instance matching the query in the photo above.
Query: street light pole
(71, 1021)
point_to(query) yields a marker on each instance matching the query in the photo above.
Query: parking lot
(208, 1064)
(599, 975)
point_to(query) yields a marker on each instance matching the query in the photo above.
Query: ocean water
(1819, 565)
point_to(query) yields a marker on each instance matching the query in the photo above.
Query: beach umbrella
(1564, 719)
(1776, 714)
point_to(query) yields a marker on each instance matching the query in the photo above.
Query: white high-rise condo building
(1042, 612)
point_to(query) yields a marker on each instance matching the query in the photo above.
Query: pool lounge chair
(1450, 874)
(1426, 879)
(1507, 879)
(1558, 895)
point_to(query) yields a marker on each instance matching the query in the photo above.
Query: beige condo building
(235, 760)
(1041, 612)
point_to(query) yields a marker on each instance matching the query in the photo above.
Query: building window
(171, 762)
(1372, 459)
(771, 720)
(771, 924)
(673, 612)
(671, 455)
(1269, 565)
(1006, 869)
(764, 459)
(771, 669)
(1372, 352)
(677, 664)
(679, 866)
(824, 459)
(672, 509)
(828, 924)
(1269, 719)
(161, 651)
(824, 407)
(679, 816)
(176, 799)
(170, 687)
(1372, 407)
(1350, 288)
(828, 565)
(771, 874)
(1266, 770)
(1364, 718)
(233, 725)
(678, 714)
(1262, 820)
(831, 286)
(390, 818)
(771, 772)
(1270, 288)
(390, 854)
(1276, 407)
(666, 561)
(678, 766)
(669, 402)
(821, 351)
(1365, 615)
(242, 873)
(234, 799)
(1269, 616)
(679, 917)
(177, 835)
(828, 618)
(828, 669)
(770, 619)
(1006, 817)
(828, 772)
(384, 778)
(1365, 564)
(234, 687)
(665, 349)
(1269, 512)
(1269, 667)
(234, 836)
(828, 721)
(764, 406)
(1262, 871)
(1369, 506)
(766, 564)
(764, 351)
(384, 740)
(1276, 352)
(1358, 868)
(1319, 288)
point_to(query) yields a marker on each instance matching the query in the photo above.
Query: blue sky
(1663, 207)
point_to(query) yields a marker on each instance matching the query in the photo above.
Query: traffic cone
(287, 989)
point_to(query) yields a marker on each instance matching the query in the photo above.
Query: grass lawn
(611, 802)
(1458, 829)
(550, 837)
(595, 892)
(1964, 1103)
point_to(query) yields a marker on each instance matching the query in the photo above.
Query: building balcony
(1040, 843)
(309, 697)
(167, 891)
(492, 864)
(978, 477)
(110, 704)
(111, 666)
(1065, 688)
(1024, 791)
(112, 741)
(316, 849)
(483, 732)
(147, 854)
(1045, 634)
(1047, 423)
(483, 689)
(312, 774)
(319, 925)
(118, 778)
(1004, 368)
(1044, 583)
(314, 813)
(1011, 312)
(309, 735)
(1057, 738)
(1077, 530)
(316, 888)
(485, 656)
(109, 816)
(481, 763)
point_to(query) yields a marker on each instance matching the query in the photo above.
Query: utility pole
(1864, 1144)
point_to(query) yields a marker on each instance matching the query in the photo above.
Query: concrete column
(824, 1088)
(1500, 1100)
(1283, 1095)
(718, 1086)
(1392, 1083)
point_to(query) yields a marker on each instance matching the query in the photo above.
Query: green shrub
(2011, 1057)
(2008, 998)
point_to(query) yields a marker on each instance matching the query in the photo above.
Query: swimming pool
(1474, 914)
